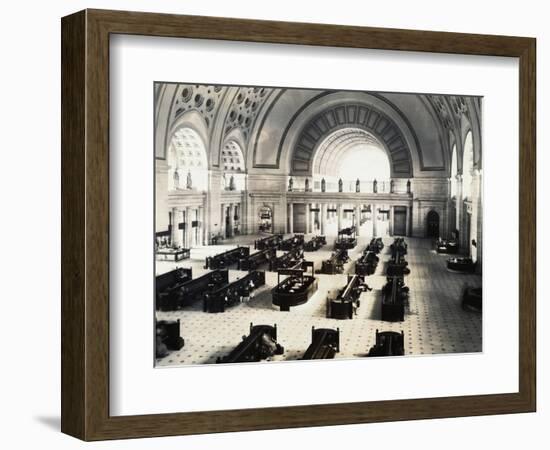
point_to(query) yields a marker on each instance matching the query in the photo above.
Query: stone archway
(358, 116)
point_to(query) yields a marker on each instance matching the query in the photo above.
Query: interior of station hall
(243, 160)
(234, 164)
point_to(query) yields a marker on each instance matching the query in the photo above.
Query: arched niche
(237, 142)
(233, 166)
(190, 120)
(187, 160)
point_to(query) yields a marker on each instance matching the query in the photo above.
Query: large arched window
(454, 171)
(467, 166)
(188, 166)
(352, 154)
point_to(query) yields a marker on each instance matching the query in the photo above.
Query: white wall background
(30, 221)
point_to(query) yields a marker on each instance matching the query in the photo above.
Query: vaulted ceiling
(280, 129)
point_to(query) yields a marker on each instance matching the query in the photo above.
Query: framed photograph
(349, 211)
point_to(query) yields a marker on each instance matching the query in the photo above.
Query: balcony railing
(352, 186)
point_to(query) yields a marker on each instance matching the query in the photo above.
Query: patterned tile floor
(434, 320)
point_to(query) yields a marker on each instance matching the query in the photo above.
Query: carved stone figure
(176, 179)
(392, 187)
(290, 184)
(307, 184)
(408, 186)
(323, 185)
(189, 181)
(232, 183)
(340, 185)
(375, 186)
(357, 186)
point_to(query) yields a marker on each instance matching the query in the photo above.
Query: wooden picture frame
(85, 224)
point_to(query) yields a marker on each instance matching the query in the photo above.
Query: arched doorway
(432, 228)
(265, 219)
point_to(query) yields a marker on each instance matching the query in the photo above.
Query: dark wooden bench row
(290, 260)
(218, 300)
(398, 245)
(349, 231)
(397, 266)
(375, 245)
(190, 291)
(169, 281)
(345, 305)
(296, 241)
(226, 259)
(325, 343)
(260, 344)
(366, 265)
(315, 243)
(255, 260)
(168, 337)
(335, 264)
(388, 343)
(268, 242)
(394, 297)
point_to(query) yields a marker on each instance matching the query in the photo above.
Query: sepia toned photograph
(294, 224)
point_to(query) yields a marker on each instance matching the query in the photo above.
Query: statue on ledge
(375, 186)
(340, 185)
(357, 186)
(408, 186)
(290, 184)
(323, 185)
(307, 185)
(392, 186)
(232, 183)
(176, 179)
(189, 181)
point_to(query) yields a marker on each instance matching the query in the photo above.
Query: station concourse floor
(434, 319)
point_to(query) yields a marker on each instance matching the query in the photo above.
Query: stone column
(308, 213)
(188, 228)
(408, 221)
(222, 219)
(202, 240)
(273, 223)
(231, 218)
(374, 225)
(323, 216)
(176, 241)
(291, 218)
(459, 202)
(358, 219)
(391, 220)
